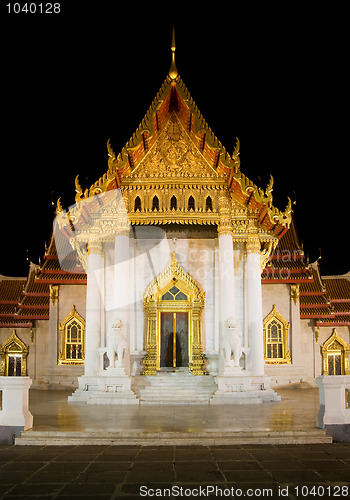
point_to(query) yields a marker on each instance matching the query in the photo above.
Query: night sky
(274, 74)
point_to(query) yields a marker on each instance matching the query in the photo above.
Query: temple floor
(55, 417)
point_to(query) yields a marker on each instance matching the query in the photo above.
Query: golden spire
(173, 73)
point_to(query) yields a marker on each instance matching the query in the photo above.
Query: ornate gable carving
(173, 155)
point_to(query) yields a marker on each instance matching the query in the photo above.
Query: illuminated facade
(175, 264)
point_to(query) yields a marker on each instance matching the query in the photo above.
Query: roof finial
(173, 73)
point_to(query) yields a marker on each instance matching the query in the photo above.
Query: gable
(173, 156)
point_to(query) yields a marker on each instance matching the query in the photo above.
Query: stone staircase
(177, 386)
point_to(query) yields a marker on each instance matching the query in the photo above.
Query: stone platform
(292, 420)
(174, 388)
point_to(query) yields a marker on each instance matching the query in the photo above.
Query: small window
(191, 204)
(335, 355)
(72, 331)
(173, 203)
(155, 203)
(276, 338)
(137, 204)
(13, 357)
(209, 204)
(174, 294)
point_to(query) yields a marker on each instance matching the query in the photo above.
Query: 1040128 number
(321, 491)
(34, 8)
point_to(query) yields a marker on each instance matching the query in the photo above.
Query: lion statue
(232, 343)
(116, 343)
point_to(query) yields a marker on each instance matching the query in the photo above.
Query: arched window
(137, 204)
(209, 204)
(173, 203)
(191, 204)
(72, 331)
(13, 357)
(155, 203)
(335, 356)
(276, 329)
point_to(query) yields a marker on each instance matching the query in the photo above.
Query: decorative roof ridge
(12, 278)
(345, 276)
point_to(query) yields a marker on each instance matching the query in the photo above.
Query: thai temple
(174, 279)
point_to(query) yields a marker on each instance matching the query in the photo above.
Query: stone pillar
(295, 345)
(122, 287)
(254, 305)
(334, 412)
(226, 271)
(14, 412)
(54, 345)
(93, 307)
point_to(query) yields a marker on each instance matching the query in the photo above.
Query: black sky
(274, 74)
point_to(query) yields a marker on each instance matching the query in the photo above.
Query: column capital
(95, 246)
(224, 227)
(225, 224)
(253, 243)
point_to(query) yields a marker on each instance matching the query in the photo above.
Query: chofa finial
(173, 73)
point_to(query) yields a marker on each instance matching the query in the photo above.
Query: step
(144, 438)
(174, 388)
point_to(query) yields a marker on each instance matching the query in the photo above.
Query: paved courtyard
(297, 410)
(109, 472)
(214, 471)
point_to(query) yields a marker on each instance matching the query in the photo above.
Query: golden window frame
(335, 345)
(71, 318)
(16, 347)
(279, 319)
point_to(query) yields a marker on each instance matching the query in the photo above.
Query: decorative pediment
(173, 155)
(335, 343)
(14, 344)
(171, 275)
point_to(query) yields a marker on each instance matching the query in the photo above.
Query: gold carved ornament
(54, 294)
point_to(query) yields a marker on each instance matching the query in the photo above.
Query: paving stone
(297, 477)
(247, 476)
(239, 465)
(325, 464)
(156, 455)
(22, 466)
(101, 477)
(108, 466)
(88, 489)
(52, 477)
(149, 476)
(282, 465)
(36, 489)
(231, 454)
(155, 466)
(13, 477)
(65, 467)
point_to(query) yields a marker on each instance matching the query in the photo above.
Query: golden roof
(174, 145)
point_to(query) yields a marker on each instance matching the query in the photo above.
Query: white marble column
(122, 284)
(254, 305)
(93, 307)
(226, 282)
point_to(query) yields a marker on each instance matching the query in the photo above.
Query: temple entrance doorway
(174, 340)
(173, 304)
